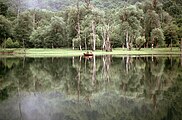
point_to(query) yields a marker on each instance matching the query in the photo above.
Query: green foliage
(5, 28)
(170, 33)
(55, 23)
(41, 17)
(10, 44)
(140, 41)
(173, 7)
(158, 36)
(23, 27)
(152, 21)
(52, 35)
(16, 44)
(76, 42)
(3, 9)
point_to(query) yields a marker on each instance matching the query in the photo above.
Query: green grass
(6, 50)
(70, 52)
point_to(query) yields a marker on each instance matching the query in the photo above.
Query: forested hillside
(90, 24)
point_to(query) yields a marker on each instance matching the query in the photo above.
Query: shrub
(16, 44)
(9, 43)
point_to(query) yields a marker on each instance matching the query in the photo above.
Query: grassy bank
(70, 52)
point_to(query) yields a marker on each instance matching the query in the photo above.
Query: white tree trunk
(108, 43)
(78, 24)
(85, 41)
(127, 42)
(73, 45)
(104, 39)
(94, 34)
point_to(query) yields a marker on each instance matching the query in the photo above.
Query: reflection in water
(101, 88)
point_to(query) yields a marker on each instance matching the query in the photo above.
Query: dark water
(103, 88)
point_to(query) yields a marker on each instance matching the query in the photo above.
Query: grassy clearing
(6, 50)
(70, 52)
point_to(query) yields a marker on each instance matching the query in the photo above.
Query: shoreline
(69, 52)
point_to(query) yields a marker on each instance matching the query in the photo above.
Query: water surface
(101, 88)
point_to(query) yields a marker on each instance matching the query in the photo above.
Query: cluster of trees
(92, 24)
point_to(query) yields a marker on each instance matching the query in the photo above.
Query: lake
(99, 88)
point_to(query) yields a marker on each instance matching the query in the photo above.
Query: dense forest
(90, 24)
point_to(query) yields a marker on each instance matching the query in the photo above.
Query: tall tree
(131, 18)
(157, 37)
(170, 33)
(51, 36)
(23, 27)
(78, 29)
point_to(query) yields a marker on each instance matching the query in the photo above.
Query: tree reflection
(148, 83)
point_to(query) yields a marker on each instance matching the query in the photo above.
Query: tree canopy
(91, 24)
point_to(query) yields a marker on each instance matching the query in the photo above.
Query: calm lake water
(101, 88)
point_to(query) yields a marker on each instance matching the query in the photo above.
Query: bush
(10, 44)
(16, 44)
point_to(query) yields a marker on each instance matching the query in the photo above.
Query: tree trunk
(108, 44)
(73, 44)
(94, 34)
(78, 24)
(18, 8)
(52, 46)
(157, 45)
(147, 45)
(140, 46)
(80, 47)
(85, 41)
(129, 42)
(104, 39)
(171, 45)
(127, 36)
(104, 45)
(122, 46)
(152, 43)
